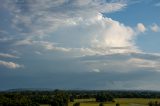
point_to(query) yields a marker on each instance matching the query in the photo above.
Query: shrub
(76, 104)
(101, 104)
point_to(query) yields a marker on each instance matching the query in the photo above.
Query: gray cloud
(6, 55)
(86, 80)
(123, 62)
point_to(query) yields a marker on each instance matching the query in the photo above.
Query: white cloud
(96, 70)
(155, 28)
(23, 42)
(43, 17)
(114, 37)
(37, 52)
(10, 65)
(141, 27)
(6, 55)
(106, 36)
(45, 44)
(50, 46)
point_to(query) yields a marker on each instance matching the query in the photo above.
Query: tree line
(62, 98)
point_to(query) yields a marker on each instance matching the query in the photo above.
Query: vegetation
(79, 98)
(117, 104)
(71, 99)
(101, 104)
(60, 98)
(103, 97)
(151, 103)
(16, 100)
(76, 104)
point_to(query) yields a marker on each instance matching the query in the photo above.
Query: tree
(156, 103)
(71, 99)
(60, 99)
(117, 104)
(150, 104)
(101, 104)
(104, 97)
(76, 104)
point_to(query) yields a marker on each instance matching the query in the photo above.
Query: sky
(80, 44)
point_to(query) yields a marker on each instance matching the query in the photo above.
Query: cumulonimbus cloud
(88, 14)
(96, 33)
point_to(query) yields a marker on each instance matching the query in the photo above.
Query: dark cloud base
(77, 80)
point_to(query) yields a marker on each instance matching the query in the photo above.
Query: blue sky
(80, 44)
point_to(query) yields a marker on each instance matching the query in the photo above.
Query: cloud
(157, 4)
(144, 63)
(51, 46)
(155, 28)
(23, 42)
(114, 37)
(6, 55)
(38, 53)
(4, 36)
(40, 18)
(123, 62)
(5, 39)
(45, 44)
(96, 70)
(10, 65)
(78, 27)
(3, 32)
(141, 27)
(104, 36)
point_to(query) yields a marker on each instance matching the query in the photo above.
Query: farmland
(121, 101)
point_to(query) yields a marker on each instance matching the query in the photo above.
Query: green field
(122, 101)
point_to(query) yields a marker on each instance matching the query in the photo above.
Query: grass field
(122, 101)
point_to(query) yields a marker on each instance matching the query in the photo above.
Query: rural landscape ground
(121, 101)
(21, 97)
